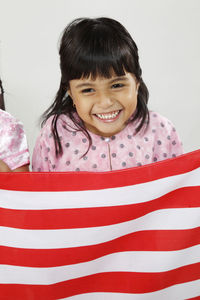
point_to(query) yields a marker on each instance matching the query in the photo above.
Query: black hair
(95, 47)
(2, 104)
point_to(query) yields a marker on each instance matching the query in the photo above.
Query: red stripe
(77, 181)
(195, 298)
(161, 240)
(98, 216)
(115, 282)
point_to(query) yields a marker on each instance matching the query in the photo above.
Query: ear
(137, 87)
(69, 92)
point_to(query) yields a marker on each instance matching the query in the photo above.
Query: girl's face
(105, 105)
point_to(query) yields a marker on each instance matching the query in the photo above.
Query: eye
(117, 85)
(87, 91)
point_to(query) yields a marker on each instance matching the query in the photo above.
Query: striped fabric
(121, 235)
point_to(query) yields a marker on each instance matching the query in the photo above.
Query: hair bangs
(99, 54)
(93, 66)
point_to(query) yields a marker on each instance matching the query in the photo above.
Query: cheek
(131, 106)
(132, 101)
(83, 109)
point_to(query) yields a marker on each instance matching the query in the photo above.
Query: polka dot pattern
(122, 150)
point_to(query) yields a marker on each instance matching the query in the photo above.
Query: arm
(24, 168)
(5, 168)
(175, 144)
(14, 154)
(41, 154)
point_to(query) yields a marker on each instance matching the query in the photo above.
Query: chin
(109, 133)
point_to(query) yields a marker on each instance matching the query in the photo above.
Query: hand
(4, 167)
(24, 168)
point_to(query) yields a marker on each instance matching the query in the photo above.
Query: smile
(111, 116)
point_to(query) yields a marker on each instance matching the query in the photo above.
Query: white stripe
(98, 198)
(135, 261)
(181, 218)
(176, 292)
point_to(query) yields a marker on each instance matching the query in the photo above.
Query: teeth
(108, 116)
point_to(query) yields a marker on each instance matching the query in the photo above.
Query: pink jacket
(123, 150)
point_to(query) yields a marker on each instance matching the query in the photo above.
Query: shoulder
(10, 126)
(157, 124)
(63, 122)
(160, 123)
(7, 119)
(158, 119)
(13, 143)
(165, 135)
(4, 115)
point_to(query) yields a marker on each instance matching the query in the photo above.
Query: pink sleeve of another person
(13, 143)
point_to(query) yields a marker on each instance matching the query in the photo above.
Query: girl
(99, 120)
(14, 154)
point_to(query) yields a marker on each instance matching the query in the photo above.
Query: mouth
(108, 117)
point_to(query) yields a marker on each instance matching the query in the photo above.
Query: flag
(118, 235)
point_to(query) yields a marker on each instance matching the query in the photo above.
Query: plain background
(167, 33)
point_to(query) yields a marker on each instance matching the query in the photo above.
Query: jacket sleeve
(13, 143)
(43, 151)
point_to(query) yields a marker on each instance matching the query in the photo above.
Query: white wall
(167, 33)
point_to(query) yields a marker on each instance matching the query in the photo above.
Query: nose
(104, 100)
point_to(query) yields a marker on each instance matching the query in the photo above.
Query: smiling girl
(99, 120)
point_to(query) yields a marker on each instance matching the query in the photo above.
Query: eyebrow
(119, 78)
(86, 84)
(80, 85)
